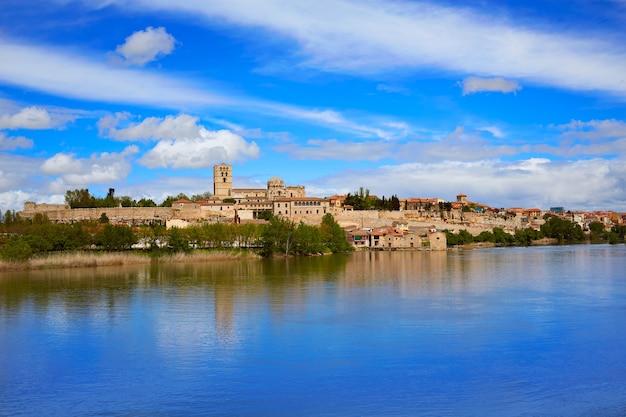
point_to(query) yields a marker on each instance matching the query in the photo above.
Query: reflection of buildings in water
(224, 307)
(412, 271)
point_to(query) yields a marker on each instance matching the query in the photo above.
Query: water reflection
(284, 284)
(374, 333)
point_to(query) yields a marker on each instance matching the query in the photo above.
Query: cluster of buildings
(416, 225)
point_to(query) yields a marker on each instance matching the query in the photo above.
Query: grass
(94, 259)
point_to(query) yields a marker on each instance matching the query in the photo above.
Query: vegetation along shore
(39, 243)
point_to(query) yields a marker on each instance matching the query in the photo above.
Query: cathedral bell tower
(222, 180)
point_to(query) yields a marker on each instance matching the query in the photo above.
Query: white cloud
(377, 35)
(72, 172)
(58, 72)
(183, 143)
(17, 183)
(146, 45)
(12, 143)
(595, 129)
(496, 132)
(151, 128)
(333, 149)
(27, 118)
(206, 150)
(472, 85)
(14, 200)
(35, 117)
(336, 120)
(70, 75)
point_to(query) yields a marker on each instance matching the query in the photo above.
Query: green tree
(170, 199)
(37, 243)
(306, 240)
(146, 202)
(485, 236)
(597, 231)
(80, 198)
(199, 197)
(524, 237)
(177, 240)
(360, 200)
(333, 236)
(126, 201)
(501, 237)
(563, 230)
(16, 250)
(277, 236)
(104, 219)
(116, 238)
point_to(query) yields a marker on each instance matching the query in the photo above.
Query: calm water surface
(493, 332)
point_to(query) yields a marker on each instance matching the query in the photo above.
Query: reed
(94, 259)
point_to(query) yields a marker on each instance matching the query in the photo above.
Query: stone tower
(275, 188)
(222, 180)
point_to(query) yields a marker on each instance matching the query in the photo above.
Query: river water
(490, 332)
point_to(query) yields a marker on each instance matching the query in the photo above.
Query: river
(535, 331)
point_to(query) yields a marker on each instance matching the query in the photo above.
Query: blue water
(490, 332)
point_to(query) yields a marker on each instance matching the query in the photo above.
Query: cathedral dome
(275, 182)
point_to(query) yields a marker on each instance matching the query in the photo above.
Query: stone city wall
(454, 220)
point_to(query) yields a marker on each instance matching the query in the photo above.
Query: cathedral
(276, 189)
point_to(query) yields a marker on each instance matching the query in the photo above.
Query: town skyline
(515, 105)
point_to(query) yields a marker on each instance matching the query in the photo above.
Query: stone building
(222, 180)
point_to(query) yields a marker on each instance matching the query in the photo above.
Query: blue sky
(514, 103)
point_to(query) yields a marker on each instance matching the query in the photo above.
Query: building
(222, 180)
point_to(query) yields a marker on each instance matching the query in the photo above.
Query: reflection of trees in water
(234, 291)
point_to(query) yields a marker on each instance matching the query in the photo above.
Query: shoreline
(94, 259)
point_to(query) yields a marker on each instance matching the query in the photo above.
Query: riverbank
(94, 259)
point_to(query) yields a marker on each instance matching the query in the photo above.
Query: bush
(16, 250)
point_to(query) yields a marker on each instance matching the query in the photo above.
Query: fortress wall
(453, 221)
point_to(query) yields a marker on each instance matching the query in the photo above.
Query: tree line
(20, 239)
(82, 198)
(563, 230)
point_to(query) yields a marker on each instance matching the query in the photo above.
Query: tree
(204, 196)
(306, 240)
(177, 241)
(126, 201)
(563, 230)
(16, 250)
(333, 236)
(277, 236)
(170, 199)
(146, 202)
(501, 237)
(80, 198)
(485, 236)
(524, 237)
(104, 219)
(597, 231)
(116, 238)
(360, 200)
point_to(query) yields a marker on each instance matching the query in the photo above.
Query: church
(281, 200)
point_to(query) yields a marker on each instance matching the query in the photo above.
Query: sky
(514, 103)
